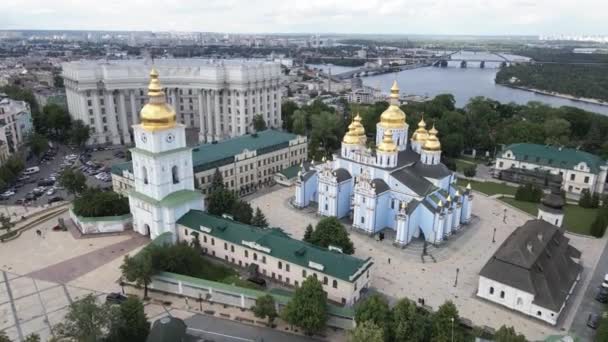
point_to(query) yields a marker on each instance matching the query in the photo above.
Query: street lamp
(452, 320)
(494, 236)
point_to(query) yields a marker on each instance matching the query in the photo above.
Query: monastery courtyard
(401, 273)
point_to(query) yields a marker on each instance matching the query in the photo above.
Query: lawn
(577, 219)
(462, 164)
(471, 160)
(489, 188)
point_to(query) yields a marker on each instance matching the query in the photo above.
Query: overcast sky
(481, 17)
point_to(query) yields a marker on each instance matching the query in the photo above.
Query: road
(222, 330)
(589, 305)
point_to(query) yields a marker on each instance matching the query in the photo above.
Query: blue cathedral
(401, 188)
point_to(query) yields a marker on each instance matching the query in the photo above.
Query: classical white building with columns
(218, 97)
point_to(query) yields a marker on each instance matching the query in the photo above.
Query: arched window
(144, 172)
(335, 284)
(174, 174)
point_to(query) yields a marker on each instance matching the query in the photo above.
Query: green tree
(4, 337)
(37, 143)
(85, 321)
(32, 338)
(557, 131)
(259, 219)
(508, 334)
(130, 323)
(598, 227)
(138, 269)
(58, 81)
(57, 120)
(5, 222)
(258, 123)
(375, 309)
(242, 212)
(308, 233)
(220, 202)
(97, 203)
(265, 308)
(602, 330)
(367, 331)
(408, 324)
(585, 200)
(330, 231)
(445, 326)
(287, 110)
(79, 133)
(74, 181)
(452, 144)
(326, 131)
(307, 308)
(299, 122)
(470, 171)
(217, 181)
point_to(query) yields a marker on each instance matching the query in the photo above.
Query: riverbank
(559, 95)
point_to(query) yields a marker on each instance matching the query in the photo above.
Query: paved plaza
(401, 272)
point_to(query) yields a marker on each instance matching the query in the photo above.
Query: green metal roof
(170, 200)
(281, 246)
(211, 156)
(554, 156)
(291, 172)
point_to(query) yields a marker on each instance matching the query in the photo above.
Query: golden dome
(393, 116)
(156, 114)
(387, 144)
(359, 126)
(356, 133)
(432, 142)
(421, 134)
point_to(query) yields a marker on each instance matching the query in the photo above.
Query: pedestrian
(389, 261)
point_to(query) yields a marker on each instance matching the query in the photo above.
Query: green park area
(576, 218)
(489, 188)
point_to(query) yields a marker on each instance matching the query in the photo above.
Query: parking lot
(39, 188)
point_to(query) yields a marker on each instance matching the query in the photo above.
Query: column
(111, 115)
(224, 114)
(216, 103)
(122, 115)
(243, 116)
(210, 130)
(201, 117)
(97, 114)
(134, 113)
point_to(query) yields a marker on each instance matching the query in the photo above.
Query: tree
(220, 201)
(598, 227)
(258, 123)
(58, 81)
(5, 222)
(57, 120)
(299, 122)
(330, 231)
(445, 324)
(557, 131)
(79, 133)
(307, 308)
(529, 193)
(308, 233)
(326, 130)
(470, 171)
(408, 324)
(138, 269)
(505, 334)
(242, 212)
(4, 337)
(32, 338)
(265, 308)
(37, 143)
(585, 200)
(375, 309)
(217, 182)
(259, 219)
(130, 323)
(74, 181)
(85, 321)
(367, 331)
(97, 203)
(602, 330)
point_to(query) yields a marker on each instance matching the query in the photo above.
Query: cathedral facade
(401, 187)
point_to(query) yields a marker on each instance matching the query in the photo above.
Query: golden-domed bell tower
(419, 136)
(393, 118)
(162, 167)
(354, 139)
(430, 153)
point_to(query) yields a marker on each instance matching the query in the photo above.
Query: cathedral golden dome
(359, 125)
(156, 114)
(432, 142)
(393, 116)
(387, 144)
(351, 137)
(421, 134)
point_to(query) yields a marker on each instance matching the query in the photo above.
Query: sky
(458, 17)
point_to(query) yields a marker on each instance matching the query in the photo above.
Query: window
(502, 294)
(246, 254)
(296, 283)
(586, 179)
(287, 267)
(212, 242)
(500, 164)
(280, 277)
(491, 290)
(538, 313)
(205, 238)
(303, 273)
(263, 259)
(334, 284)
(572, 176)
(287, 280)
(280, 265)
(255, 256)
(225, 246)
(144, 173)
(174, 174)
(362, 220)
(325, 281)
(232, 248)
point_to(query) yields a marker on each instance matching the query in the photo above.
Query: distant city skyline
(434, 17)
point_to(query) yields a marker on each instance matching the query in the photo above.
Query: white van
(31, 170)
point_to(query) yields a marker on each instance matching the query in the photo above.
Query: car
(593, 321)
(58, 187)
(23, 178)
(605, 282)
(55, 199)
(115, 298)
(46, 182)
(602, 295)
(30, 197)
(20, 201)
(7, 194)
(50, 192)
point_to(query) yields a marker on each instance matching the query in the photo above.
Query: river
(463, 84)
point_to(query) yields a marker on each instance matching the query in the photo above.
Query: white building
(15, 122)
(579, 170)
(535, 270)
(219, 98)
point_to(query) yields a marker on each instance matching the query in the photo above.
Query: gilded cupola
(356, 132)
(432, 142)
(393, 116)
(421, 134)
(156, 114)
(387, 144)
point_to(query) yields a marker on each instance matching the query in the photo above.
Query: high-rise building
(219, 98)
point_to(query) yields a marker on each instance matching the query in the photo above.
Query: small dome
(421, 134)
(387, 144)
(156, 114)
(393, 116)
(356, 132)
(432, 142)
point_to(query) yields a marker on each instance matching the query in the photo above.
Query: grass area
(576, 219)
(223, 274)
(489, 188)
(462, 164)
(471, 160)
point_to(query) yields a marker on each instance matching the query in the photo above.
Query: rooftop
(554, 156)
(279, 244)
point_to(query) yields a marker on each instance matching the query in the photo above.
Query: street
(221, 330)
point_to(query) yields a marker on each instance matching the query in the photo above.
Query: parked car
(7, 194)
(605, 282)
(115, 298)
(20, 201)
(46, 182)
(602, 295)
(55, 199)
(593, 321)
(50, 192)
(30, 197)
